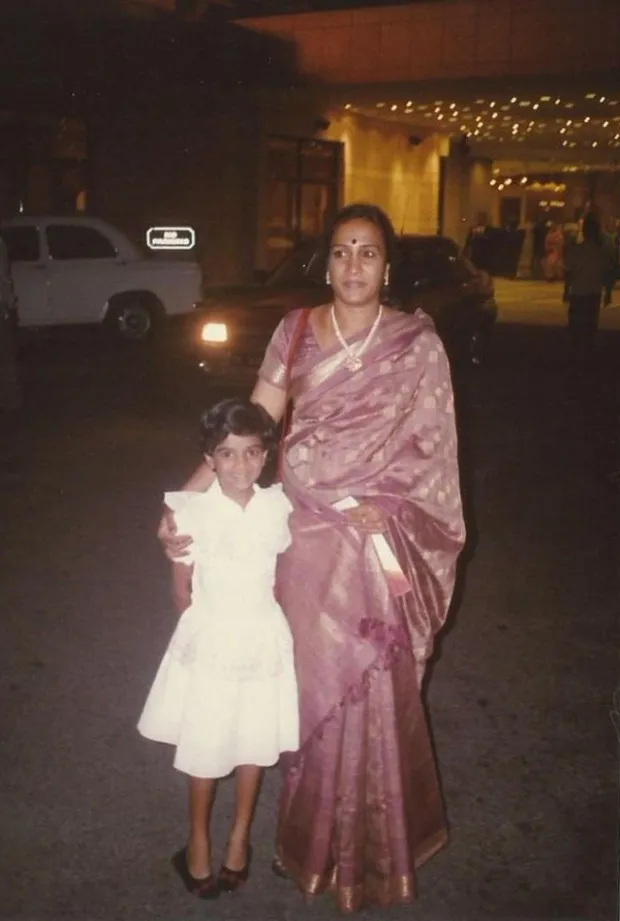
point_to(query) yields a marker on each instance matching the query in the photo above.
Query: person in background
(588, 266)
(11, 397)
(553, 265)
(539, 232)
(609, 240)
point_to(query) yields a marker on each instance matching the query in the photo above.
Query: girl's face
(357, 262)
(238, 462)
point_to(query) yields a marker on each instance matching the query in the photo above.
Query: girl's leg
(201, 790)
(248, 783)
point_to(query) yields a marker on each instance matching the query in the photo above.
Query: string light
(499, 122)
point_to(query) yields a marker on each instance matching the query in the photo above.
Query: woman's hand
(367, 518)
(175, 545)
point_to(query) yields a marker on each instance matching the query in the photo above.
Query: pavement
(539, 303)
(519, 696)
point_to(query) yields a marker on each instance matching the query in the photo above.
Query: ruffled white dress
(225, 693)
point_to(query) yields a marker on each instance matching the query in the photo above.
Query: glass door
(303, 177)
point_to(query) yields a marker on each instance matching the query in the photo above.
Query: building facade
(446, 114)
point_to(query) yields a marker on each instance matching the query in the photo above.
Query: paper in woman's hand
(395, 577)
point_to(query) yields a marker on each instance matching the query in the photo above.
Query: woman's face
(356, 263)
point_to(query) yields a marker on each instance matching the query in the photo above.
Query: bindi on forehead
(354, 241)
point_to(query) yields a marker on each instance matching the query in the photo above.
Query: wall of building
(457, 38)
(382, 166)
(179, 170)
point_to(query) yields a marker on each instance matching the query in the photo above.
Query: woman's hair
(235, 416)
(374, 215)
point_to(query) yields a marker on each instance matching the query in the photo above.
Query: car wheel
(133, 320)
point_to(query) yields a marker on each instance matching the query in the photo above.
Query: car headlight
(214, 332)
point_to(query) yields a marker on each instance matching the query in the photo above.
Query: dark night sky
(79, 9)
(271, 7)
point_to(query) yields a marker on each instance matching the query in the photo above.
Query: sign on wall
(171, 238)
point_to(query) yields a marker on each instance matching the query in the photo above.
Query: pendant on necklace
(353, 363)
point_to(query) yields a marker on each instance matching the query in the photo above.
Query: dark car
(429, 273)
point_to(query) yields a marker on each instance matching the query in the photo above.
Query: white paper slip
(396, 579)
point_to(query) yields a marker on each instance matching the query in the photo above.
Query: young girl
(225, 693)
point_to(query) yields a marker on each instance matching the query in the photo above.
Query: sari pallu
(361, 803)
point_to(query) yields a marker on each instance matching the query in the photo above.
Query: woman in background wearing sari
(370, 466)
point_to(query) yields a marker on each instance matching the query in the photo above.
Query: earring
(386, 276)
(328, 280)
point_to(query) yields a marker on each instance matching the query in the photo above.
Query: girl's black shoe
(205, 888)
(230, 880)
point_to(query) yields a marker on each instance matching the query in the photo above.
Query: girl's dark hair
(235, 416)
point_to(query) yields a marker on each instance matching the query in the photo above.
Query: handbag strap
(298, 332)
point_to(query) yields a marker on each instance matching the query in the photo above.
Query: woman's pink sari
(361, 804)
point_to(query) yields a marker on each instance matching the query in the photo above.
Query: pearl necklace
(353, 356)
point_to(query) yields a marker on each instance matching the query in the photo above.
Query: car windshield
(304, 262)
(427, 260)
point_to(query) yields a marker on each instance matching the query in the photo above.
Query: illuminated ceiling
(552, 124)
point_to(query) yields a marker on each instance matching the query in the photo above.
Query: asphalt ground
(519, 696)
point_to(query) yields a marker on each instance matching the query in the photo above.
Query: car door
(82, 266)
(29, 270)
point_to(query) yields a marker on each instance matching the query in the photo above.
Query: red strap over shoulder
(298, 332)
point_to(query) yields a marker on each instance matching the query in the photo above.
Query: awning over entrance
(520, 79)
(549, 122)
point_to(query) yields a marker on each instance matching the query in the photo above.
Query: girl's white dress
(225, 693)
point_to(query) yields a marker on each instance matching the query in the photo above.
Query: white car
(78, 270)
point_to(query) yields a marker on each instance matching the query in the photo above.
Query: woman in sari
(554, 254)
(370, 466)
